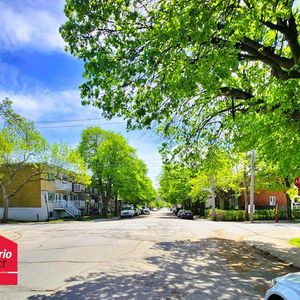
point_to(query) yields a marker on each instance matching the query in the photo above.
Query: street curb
(275, 254)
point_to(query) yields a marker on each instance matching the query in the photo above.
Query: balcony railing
(78, 187)
(93, 191)
(79, 203)
(63, 185)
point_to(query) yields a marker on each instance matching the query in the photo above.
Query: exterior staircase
(68, 206)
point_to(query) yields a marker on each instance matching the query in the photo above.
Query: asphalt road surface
(150, 257)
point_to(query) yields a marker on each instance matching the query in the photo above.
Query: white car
(127, 212)
(146, 211)
(284, 288)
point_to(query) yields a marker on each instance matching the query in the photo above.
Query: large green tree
(191, 65)
(223, 72)
(175, 184)
(22, 145)
(227, 170)
(117, 171)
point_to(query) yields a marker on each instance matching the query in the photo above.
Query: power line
(63, 121)
(73, 120)
(80, 125)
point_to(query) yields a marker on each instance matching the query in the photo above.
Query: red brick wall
(262, 198)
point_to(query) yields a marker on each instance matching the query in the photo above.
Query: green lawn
(295, 242)
(81, 219)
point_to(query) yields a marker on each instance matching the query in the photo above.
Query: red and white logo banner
(8, 262)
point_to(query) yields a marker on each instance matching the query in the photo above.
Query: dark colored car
(187, 214)
(180, 212)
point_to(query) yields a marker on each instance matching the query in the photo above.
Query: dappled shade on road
(206, 269)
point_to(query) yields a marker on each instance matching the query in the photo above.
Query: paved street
(149, 257)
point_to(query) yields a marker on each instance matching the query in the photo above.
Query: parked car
(180, 212)
(146, 211)
(187, 214)
(284, 288)
(137, 211)
(127, 211)
(176, 210)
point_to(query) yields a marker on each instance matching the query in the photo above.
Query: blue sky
(42, 79)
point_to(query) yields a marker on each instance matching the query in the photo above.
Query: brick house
(267, 199)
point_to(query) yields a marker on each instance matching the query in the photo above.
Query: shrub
(227, 215)
(260, 214)
(296, 213)
(264, 214)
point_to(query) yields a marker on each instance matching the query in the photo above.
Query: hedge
(260, 214)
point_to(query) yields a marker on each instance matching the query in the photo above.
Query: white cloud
(28, 26)
(42, 105)
(34, 25)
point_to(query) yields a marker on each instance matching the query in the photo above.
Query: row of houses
(46, 198)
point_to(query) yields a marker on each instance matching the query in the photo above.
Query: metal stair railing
(69, 207)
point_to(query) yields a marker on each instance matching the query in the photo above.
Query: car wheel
(275, 297)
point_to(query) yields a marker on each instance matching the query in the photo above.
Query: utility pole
(213, 199)
(245, 189)
(252, 187)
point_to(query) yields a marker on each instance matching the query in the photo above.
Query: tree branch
(28, 179)
(235, 93)
(289, 29)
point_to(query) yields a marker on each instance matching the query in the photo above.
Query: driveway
(150, 257)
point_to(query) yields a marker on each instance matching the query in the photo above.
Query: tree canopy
(191, 186)
(204, 73)
(20, 145)
(116, 169)
(191, 66)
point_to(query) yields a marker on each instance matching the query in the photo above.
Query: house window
(74, 197)
(51, 197)
(272, 200)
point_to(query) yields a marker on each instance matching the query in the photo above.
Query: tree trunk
(105, 206)
(103, 198)
(105, 202)
(107, 197)
(116, 206)
(5, 205)
(288, 199)
(289, 208)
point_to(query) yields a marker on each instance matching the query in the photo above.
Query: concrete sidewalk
(275, 241)
(269, 237)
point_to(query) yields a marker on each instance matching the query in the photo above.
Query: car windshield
(127, 208)
(188, 211)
